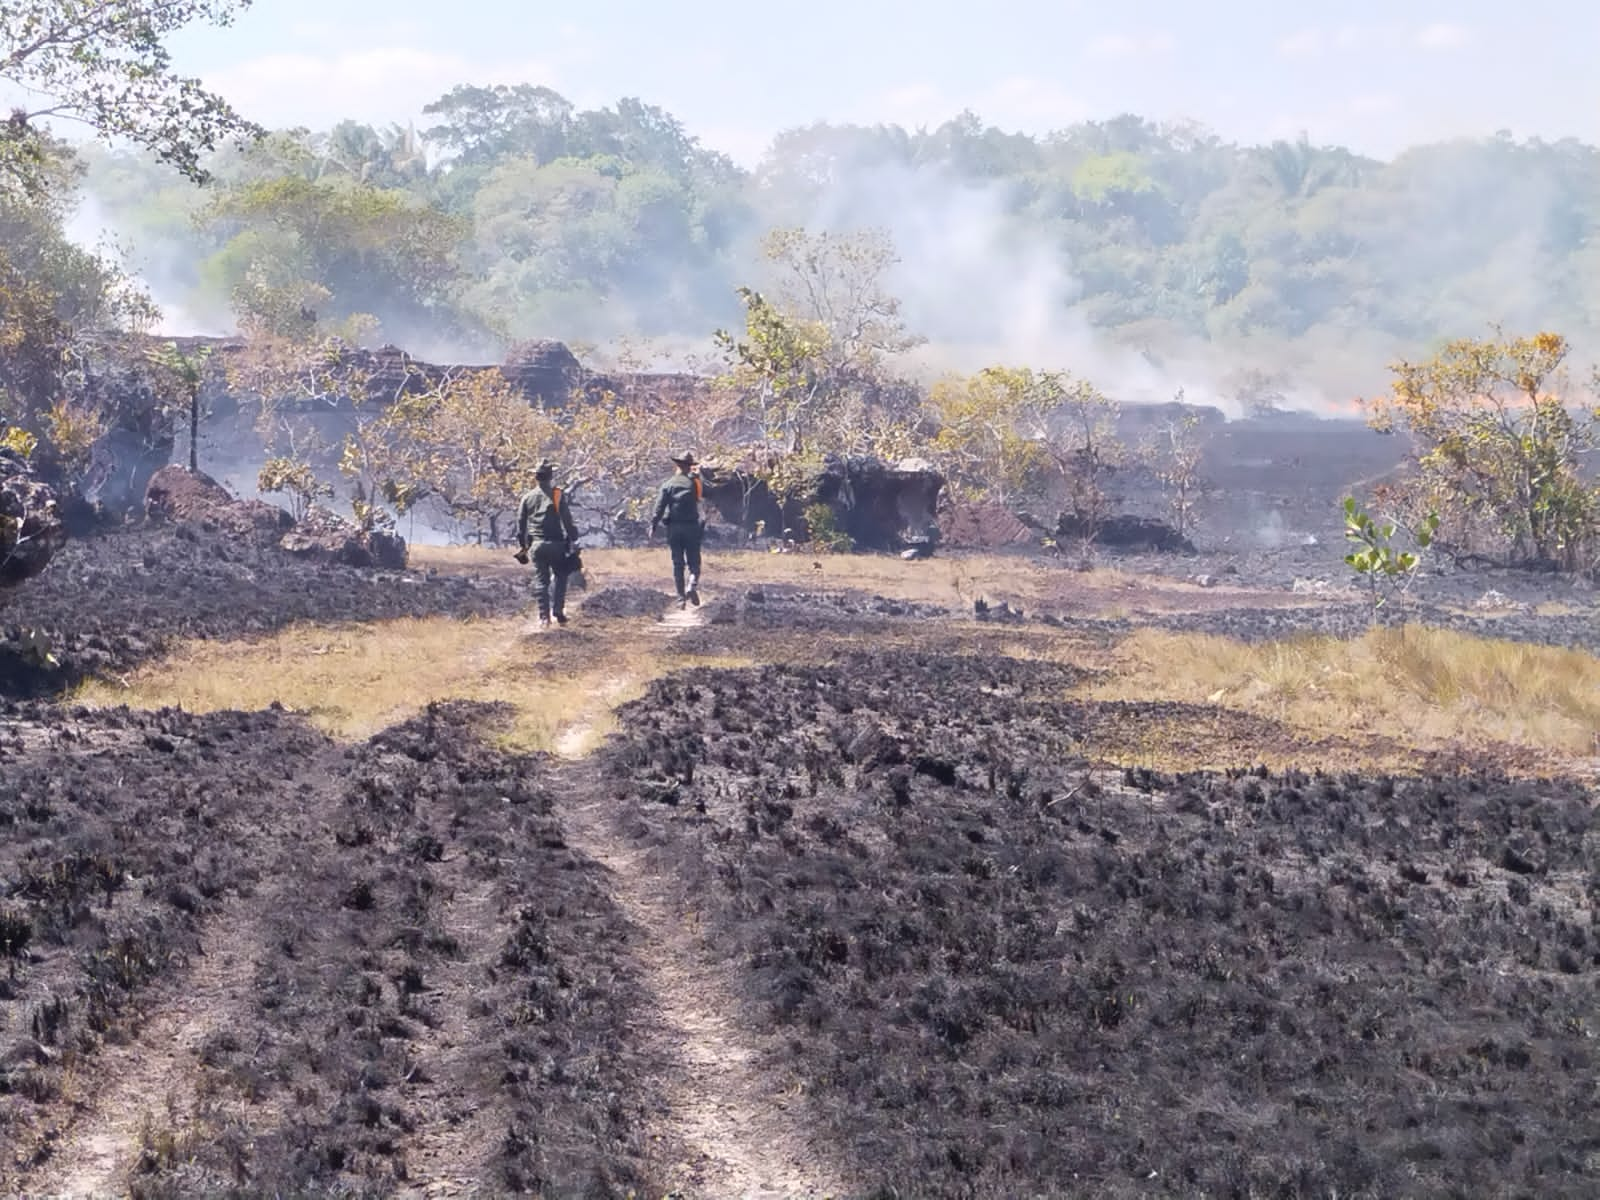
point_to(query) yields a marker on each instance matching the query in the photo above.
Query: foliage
(297, 478)
(73, 429)
(18, 441)
(991, 433)
(184, 373)
(104, 64)
(1019, 436)
(303, 252)
(778, 367)
(812, 372)
(470, 445)
(1495, 439)
(1081, 440)
(1387, 570)
(590, 224)
(825, 535)
(55, 299)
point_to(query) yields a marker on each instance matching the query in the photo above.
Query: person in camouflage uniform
(679, 508)
(547, 536)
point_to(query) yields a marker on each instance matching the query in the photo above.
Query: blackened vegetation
(376, 1013)
(356, 986)
(120, 833)
(109, 603)
(1000, 972)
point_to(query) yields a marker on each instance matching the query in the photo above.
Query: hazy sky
(1370, 74)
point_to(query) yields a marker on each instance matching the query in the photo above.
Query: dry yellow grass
(1424, 687)
(354, 680)
(1420, 688)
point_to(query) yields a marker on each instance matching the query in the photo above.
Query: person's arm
(661, 507)
(567, 522)
(522, 524)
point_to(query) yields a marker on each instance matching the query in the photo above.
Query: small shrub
(826, 536)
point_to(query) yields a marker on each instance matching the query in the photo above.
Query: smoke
(157, 274)
(985, 286)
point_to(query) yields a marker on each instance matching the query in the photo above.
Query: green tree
(104, 64)
(1387, 570)
(301, 251)
(1499, 448)
(481, 126)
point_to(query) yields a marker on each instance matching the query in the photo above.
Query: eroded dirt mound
(985, 526)
(177, 495)
(1003, 972)
(109, 603)
(327, 536)
(408, 977)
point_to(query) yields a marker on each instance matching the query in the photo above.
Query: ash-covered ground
(998, 970)
(880, 920)
(111, 602)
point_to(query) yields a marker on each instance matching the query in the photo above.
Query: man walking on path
(679, 508)
(546, 533)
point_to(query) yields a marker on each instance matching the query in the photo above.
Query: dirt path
(742, 1137)
(152, 1095)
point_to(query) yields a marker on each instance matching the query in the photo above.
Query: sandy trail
(743, 1137)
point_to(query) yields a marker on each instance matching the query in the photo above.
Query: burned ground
(911, 913)
(779, 610)
(430, 982)
(109, 603)
(997, 970)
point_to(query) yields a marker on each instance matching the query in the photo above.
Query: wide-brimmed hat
(544, 469)
(684, 458)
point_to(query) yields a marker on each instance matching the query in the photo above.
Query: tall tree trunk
(194, 432)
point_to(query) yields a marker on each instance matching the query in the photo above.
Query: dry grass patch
(1428, 688)
(354, 680)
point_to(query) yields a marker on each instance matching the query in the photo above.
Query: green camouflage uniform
(546, 532)
(679, 507)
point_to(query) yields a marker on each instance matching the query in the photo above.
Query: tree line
(514, 214)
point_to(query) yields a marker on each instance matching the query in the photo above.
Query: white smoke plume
(985, 288)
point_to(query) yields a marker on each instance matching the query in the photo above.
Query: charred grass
(369, 1020)
(123, 833)
(997, 970)
(111, 603)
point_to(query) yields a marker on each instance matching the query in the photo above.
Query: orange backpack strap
(699, 491)
(555, 499)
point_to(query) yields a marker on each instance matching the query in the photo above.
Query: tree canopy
(104, 64)
(523, 215)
